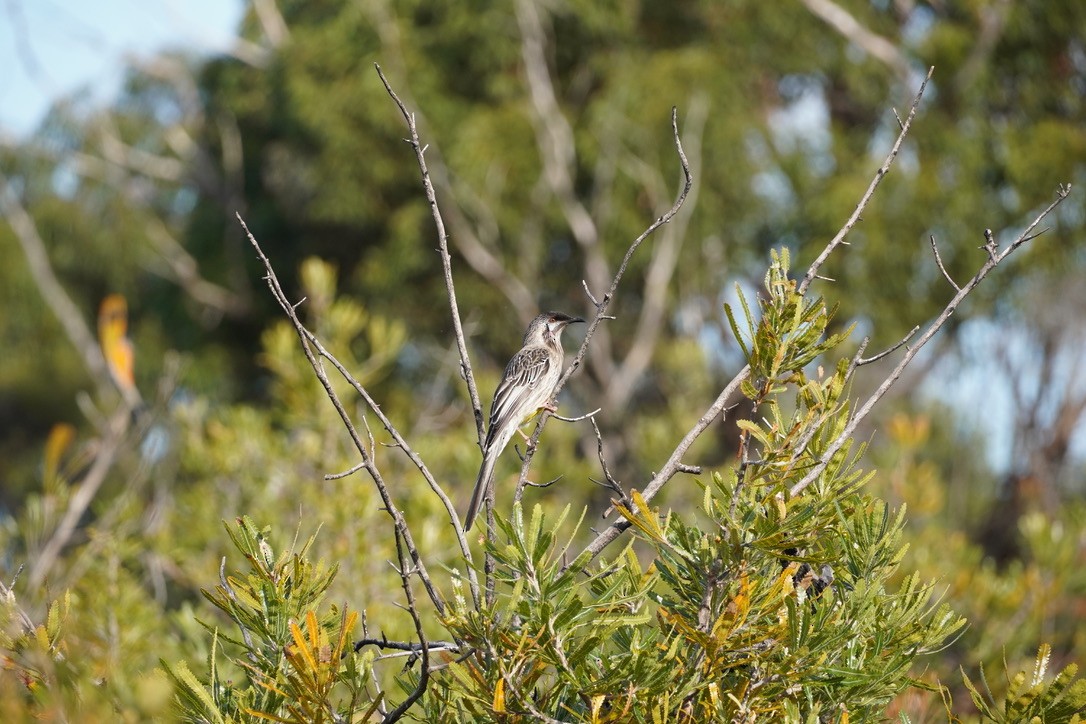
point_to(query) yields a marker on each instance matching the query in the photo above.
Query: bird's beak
(571, 320)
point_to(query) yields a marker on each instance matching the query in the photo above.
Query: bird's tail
(482, 487)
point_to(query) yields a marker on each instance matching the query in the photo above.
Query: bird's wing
(519, 385)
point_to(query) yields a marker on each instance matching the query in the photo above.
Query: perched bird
(527, 385)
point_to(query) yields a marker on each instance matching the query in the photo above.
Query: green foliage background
(327, 185)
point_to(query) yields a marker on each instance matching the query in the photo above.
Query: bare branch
(883, 170)
(346, 473)
(905, 340)
(409, 646)
(7, 596)
(591, 296)
(611, 482)
(585, 416)
(604, 303)
(993, 260)
(939, 262)
(661, 269)
(424, 648)
(446, 259)
(990, 245)
(715, 411)
(547, 484)
(872, 43)
(309, 342)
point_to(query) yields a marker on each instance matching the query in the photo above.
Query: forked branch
(604, 303)
(314, 351)
(995, 257)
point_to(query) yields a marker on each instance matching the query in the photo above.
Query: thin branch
(883, 170)
(81, 499)
(410, 646)
(558, 154)
(308, 342)
(424, 647)
(346, 473)
(673, 464)
(591, 296)
(994, 259)
(526, 702)
(872, 43)
(661, 270)
(579, 418)
(904, 341)
(547, 484)
(990, 245)
(7, 596)
(605, 302)
(446, 258)
(62, 306)
(939, 262)
(718, 408)
(611, 482)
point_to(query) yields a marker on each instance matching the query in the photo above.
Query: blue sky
(50, 48)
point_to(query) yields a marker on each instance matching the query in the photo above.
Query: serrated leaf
(735, 330)
(185, 680)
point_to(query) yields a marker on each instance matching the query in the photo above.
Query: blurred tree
(548, 147)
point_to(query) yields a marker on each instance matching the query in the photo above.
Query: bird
(526, 386)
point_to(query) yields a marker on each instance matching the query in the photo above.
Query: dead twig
(309, 343)
(995, 257)
(604, 303)
(939, 263)
(718, 407)
(446, 258)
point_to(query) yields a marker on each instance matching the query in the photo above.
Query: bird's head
(548, 326)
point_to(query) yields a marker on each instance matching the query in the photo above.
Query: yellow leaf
(59, 440)
(644, 520)
(112, 331)
(499, 697)
(301, 647)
